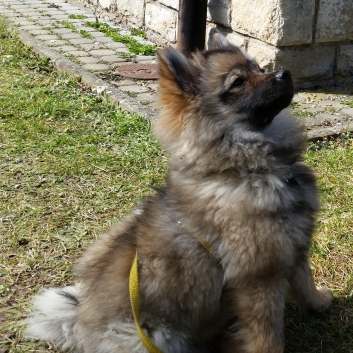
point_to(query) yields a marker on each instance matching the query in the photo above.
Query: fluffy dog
(221, 246)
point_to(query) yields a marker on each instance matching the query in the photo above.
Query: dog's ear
(175, 66)
(218, 41)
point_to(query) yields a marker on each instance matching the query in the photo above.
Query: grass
(77, 17)
(71, 164)
(349, 103)
(68, 24)
(133, 45)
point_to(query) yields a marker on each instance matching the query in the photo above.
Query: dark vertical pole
(191, 25)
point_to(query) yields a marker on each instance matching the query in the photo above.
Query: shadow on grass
(331, 332)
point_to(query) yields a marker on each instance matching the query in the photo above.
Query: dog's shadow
(331, 332)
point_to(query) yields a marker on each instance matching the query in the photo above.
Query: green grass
(71, 165)
(68, 24)
(349, 103)
(304, 113)
(133, 45)
(77, 17)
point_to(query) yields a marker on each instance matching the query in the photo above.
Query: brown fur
(236, 181)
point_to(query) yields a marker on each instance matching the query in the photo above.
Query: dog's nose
(283, 75)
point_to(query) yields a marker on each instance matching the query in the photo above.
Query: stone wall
(313, 38)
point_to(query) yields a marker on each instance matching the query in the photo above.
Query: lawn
(71, 164)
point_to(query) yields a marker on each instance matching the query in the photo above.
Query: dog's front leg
(260, 311)
(305, 293)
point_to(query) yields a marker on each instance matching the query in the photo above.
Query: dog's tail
(53, 317)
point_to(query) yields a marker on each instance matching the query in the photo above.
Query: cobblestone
(96, 67)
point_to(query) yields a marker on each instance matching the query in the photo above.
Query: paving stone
(68, 48)
(87, 59)
(104, 40)
(22, 22)
(88, 29)
(153, 86)
(112, 59)
(38, 31)
(55, 43)
(30, 13)
(46, 22)
(62, 30)
(60, 17)
(31, 27)
(47, 37)
(116, 45)
(145, 97)
(71, 35)
(135, 89)
(95, 33)
(39, 5)
(101, 52)
(123, 83)
(82, 41)
(124, 50)
(96, 67)
(77, 53)
(76, 11)
(143, 58)
(89, 47)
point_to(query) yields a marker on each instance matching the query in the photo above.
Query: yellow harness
(135, 298)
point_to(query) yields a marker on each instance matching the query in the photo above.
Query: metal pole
(191, 25)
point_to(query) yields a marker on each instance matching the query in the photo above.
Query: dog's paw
(324, 298)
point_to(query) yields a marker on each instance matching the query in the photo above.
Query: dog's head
(218, 90)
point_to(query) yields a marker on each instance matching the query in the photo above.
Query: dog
(205, 264)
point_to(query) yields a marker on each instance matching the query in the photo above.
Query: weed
(126, 56)
(349, 103)
(304, 113)
(77, 17)
(131, 94)
(68, 24)
(137, 32)
(133, 45)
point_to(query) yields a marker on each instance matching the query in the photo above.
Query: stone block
(130, 10)
(174, 4)
(47, 37)
(218, 11)
(96, 67)
(87, 59)
(345, 58)
(334, 21)
(314, 64)
(162, 20)
(277, 22)
(101, 52)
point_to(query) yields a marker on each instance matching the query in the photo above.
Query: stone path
(58, 30)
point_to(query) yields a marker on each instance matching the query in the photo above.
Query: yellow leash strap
(135, 297)
(135, 305)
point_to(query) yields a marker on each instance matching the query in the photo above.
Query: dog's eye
(238, 82)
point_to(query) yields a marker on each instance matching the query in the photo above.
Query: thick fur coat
(236, 181)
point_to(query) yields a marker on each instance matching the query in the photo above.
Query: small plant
(133, 45)
(131, 94)
(304, 113)
(137, 32)
(68, 24)
(332, 110)
(349, 103)
(4, 26)
(77, 17)
(126, 56)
